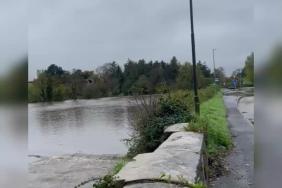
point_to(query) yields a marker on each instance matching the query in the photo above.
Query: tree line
(134, 77)
(245, 76)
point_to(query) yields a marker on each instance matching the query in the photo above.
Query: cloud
(85, 34)
(13, 33)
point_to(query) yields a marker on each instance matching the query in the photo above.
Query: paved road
(240, 162)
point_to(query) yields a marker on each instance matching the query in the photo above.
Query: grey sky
(87, 33)
(13, 32)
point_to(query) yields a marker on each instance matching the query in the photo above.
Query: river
(83, 126)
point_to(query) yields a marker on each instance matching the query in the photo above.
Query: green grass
(213, 121)
(120, 164)
(214, 112)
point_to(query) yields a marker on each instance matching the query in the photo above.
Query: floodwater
(83, 126)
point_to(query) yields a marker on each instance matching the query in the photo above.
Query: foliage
(213, 123)
(248, 71)
(213, 112)
(245, 76)
(198, 125)
(108, 181)
(120, 165)
(198, 185)
(208, 92)
(156, 113)
(33, 93)
(152, 116)
(140, 77)
(220, 76)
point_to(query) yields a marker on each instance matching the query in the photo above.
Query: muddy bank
(68, 171)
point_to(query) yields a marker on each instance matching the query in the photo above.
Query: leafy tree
(142, 86)
(248, 71)
(54, 83)
(204, 69)
(220, 75)
(54, 70)
(184, 78)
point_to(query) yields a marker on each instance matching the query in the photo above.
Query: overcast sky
(85, 34)
(13, 33)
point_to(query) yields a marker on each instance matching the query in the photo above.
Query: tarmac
(240, 162)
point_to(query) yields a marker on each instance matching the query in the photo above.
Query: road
(240, 162)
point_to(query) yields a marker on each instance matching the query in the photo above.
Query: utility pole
(213, 52)
(195, 84)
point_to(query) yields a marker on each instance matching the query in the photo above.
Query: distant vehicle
(234, 84)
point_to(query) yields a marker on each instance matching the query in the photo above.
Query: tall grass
(214, 124)
(214, 113)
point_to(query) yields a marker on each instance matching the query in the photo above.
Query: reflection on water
(82, 126)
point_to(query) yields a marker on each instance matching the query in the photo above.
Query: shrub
(208, 93)
(33, 93)
(198, 124)
(156, 113)
(59, 93)
(153, 116)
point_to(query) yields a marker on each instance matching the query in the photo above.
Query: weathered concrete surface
(179, 127)
(182, 141)
(246, 108)
(69, 170)
(240, 162)
(179, 156)
(153, 185)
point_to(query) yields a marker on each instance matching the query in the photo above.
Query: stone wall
(177, 161)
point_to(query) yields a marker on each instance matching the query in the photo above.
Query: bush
(33, 93)
(59, 93)
(208, 93)
(198, 124)
(153, 116)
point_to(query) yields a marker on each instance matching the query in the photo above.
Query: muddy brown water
(82, 126)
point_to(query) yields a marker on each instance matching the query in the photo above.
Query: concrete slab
(188, 141)
(178, 157)
(179, 127)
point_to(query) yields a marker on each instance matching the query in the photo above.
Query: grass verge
(214, 124)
